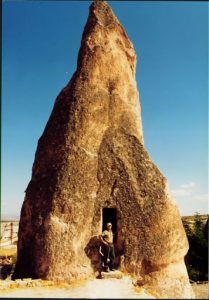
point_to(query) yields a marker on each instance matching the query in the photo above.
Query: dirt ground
(201, 290)
(95, 288)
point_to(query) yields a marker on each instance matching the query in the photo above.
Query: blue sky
(39, 53)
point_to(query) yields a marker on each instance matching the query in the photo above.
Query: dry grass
(8, 252)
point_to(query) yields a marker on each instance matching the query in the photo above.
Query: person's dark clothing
(109, 255)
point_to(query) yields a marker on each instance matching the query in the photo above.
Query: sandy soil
(96, 288)
(201, 291)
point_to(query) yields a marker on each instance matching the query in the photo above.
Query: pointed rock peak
(103, 13)
(103, 31)
(91, 158)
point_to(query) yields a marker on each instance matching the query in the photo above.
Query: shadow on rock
(92, 251)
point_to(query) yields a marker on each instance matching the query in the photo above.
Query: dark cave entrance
(109, 215)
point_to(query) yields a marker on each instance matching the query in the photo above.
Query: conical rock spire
(90, 157)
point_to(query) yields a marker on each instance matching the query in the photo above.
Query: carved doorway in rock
(109, 215)
(113, 216)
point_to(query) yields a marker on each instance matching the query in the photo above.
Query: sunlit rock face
(91, 156)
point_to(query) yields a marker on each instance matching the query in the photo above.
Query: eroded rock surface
(90, 156)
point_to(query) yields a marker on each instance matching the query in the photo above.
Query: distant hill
(9, 218)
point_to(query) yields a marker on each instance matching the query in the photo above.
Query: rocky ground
(96, 288)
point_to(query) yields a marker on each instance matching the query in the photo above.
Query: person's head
(109, 226)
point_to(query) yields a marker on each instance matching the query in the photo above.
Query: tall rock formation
(91, 158)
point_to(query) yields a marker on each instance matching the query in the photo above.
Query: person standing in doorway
(108, 247)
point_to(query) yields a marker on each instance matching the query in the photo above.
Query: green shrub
(197, 257)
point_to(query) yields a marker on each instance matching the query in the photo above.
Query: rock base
(112, 274)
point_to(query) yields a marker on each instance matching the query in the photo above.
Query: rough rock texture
(90, 156)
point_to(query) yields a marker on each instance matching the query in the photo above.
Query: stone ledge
(112, 274)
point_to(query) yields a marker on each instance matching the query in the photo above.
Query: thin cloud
(191, 198)
(185, 190)
(189, 185)
(201, 197)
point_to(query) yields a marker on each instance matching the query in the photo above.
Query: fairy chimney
(91, 167)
